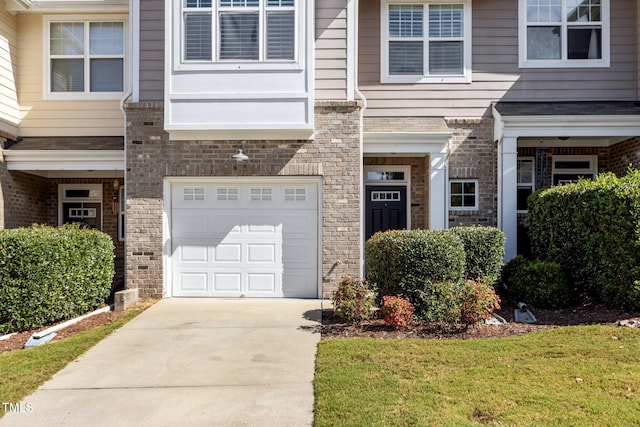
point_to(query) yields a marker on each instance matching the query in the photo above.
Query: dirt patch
(17, 342)
(580, 315)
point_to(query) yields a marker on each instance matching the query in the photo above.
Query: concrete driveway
(190, 362)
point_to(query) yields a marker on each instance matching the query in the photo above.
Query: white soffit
(51, 162)
(406, 143)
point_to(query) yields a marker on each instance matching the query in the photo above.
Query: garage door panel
(195, 283)
(262, 253)
(298, 254)
(259, 283)
(193, 254)
(299, 283)
(227, 282)
(227, 252)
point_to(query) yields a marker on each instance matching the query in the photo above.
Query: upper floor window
(85, 58)
(238, 30)
(564, 33)
(426, 41)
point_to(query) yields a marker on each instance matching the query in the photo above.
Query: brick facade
(624, 154)
(474, 156)
(333, 154)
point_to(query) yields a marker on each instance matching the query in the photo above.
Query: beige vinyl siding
(496, 75)
(152, 50)
(9, 111)
(40, 117)
(331, 49)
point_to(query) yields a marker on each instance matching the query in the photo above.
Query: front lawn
(572, 376)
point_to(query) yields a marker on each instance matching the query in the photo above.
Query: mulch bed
(332, 327)
(18, 341)
(580, 315)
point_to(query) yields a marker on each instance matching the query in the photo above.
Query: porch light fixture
(240, 156)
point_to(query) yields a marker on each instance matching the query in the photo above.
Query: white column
(438, 182)
(508, 193)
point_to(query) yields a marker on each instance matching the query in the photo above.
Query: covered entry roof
(573, 108)
(70, 156)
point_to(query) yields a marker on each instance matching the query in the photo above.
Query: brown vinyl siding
(331, 49)
(496, 74)
(152, 50)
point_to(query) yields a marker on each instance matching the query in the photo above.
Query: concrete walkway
(190, 362)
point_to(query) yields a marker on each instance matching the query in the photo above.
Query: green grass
(23, 371)
(573, 376)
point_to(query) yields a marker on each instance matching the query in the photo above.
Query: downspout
(132, 92)
(352, 82)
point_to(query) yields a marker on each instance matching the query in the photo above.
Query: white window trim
(526, 184)
(47, 94)
(563, 63)
(179, 64)
(475, 206)
(385, 77)
(591, 170)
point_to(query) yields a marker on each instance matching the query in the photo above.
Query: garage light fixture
(240, 156)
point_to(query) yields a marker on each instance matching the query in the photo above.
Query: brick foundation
(333, 154)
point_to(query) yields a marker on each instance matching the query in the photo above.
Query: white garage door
(252, 239)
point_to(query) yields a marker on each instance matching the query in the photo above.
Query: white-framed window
(526, 182)
(564, 33)
(463, 194)
(218, 31)
(568, 169)
(84, 57)
(425, 41)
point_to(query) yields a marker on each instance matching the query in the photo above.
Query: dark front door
(385, 208)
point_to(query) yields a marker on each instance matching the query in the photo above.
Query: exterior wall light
(240, 156)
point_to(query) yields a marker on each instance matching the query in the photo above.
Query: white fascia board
(291, 133)
(406, 142)
(67, 6)
(57, 160)
(583, 125)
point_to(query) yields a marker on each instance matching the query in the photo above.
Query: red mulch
(581, 315)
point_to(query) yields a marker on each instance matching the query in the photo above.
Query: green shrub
(400, 261)
(396, 311)
(592, 229)
(354, 299)
(541, 284)
(484, 251)
(479, 300)
(51, 274)
(455, 301)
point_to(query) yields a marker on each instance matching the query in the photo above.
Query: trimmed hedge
(400, 260)
(51, 274)
(541, 284)
(484, 251)
(592, 229)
